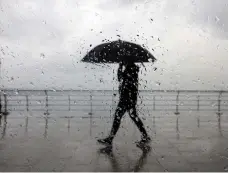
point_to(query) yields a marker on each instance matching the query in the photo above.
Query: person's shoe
(144, 140)
(144, 147)
(107, 150)
(106, 141)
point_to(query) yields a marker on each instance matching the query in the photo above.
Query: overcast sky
(42, 42)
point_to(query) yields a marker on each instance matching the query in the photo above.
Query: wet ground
(195, 141)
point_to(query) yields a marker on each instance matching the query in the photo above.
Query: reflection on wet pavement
(4, 126)
(108, 151)
(196, 142)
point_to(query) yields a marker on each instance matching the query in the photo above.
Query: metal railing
(106, 100)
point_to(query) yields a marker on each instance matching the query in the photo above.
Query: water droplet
(16, 92)
(217, 19)
(158, 83)
(181, 103)
(136, 119)
(42, 55)
(214, 104)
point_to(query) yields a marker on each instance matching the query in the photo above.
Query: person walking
(128, 90)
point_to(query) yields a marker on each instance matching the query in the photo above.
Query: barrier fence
(106, 100)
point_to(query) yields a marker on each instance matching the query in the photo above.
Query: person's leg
(120, 111)
(138, 122)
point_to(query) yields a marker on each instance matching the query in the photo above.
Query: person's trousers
(120, 111)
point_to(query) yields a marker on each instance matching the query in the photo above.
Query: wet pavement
(195, 141)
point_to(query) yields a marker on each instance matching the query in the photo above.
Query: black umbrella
(118, 51)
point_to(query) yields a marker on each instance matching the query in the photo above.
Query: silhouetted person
(128, 90)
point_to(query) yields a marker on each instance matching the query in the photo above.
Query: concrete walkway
(186, 142)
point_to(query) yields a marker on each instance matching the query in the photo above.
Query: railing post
(27, 103)
(69, 103)
(0, 104)
(198, 122)
(198, 103)
(219, 125)
(177, 128)
(4, 127)
(68, 125)
(112, 104)
(46, 127)
(154, 122)
(5, 105)
(46, 103)
(90, 113)
(154, 104)
(219, 102)
(26, 124)
(177, 103)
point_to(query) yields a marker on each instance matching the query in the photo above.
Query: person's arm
(120, 77)
(120, 72)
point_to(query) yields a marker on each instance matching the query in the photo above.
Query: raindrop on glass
(42, 55)
(214, 104)
(158, 83)
(16, 92)
(217, 19)
(136, 119)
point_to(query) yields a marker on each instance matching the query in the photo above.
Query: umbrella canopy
(118, 51)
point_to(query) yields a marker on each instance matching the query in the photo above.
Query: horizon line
(147, 90)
